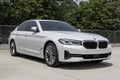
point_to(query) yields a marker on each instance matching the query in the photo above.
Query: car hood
(74, 35)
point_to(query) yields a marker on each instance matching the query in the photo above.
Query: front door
(32, 41)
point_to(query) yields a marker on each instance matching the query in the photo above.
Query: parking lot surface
(30, 68)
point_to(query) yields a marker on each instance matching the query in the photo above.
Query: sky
(78, 1)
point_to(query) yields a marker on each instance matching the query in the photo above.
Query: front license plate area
(96, 56)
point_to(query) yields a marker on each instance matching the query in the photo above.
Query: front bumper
(72, 53)
(68, 55)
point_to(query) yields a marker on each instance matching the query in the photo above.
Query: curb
(115, 44)
(4, 47)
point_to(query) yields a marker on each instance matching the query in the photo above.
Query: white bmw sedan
(57, 41)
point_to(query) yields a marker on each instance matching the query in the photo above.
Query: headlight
(70, 42)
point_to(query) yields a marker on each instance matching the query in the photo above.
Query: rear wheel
(51, 55)
(13, 49)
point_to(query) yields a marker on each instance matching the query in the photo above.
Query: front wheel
(51, 55)
(13, 49)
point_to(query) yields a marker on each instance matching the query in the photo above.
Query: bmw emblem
(94, 38)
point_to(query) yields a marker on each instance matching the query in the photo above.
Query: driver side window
(26, 26)
(30, 25)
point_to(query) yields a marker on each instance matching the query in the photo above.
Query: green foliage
(21, 10)
(116, 14)
(33, 9)
(4, 12)
(95, 14)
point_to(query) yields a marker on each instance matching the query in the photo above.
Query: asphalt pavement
(30, 68)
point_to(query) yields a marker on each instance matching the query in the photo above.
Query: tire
(97, 61)
(13, 49)
(51, 55)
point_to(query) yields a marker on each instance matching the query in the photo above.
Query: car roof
(44, 20)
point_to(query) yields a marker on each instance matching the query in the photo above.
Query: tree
(95, 14)
(4, 12)
(116, 14)
(21, 10)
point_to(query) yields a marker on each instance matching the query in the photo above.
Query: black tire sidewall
(15, 53)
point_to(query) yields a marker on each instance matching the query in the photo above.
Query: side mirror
(79, 30)
(34, 29)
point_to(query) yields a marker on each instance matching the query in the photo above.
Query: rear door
(21, 37)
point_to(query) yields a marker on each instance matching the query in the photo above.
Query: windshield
(57, 26)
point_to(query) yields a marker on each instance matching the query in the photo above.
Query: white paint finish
(32, 43)
(30, 68)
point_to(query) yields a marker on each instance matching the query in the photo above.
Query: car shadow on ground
(85, 65)
(35, 59)
(72, 66)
